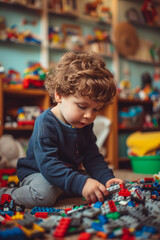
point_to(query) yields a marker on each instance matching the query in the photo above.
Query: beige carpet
(69, 202)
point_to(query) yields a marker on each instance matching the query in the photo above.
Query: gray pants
(35, 191)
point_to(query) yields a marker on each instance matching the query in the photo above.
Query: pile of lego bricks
(130, 211)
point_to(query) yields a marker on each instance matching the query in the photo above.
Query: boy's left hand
(114, 180)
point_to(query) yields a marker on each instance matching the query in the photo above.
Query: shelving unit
(147, 108)
(13, 99)
(136, 67)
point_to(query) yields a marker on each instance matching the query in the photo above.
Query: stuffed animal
(10, 151)
(91, 7)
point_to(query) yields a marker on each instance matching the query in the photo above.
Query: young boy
(63, 138)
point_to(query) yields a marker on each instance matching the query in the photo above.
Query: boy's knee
(47, 197)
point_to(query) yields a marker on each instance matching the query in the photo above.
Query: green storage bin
(146, 164)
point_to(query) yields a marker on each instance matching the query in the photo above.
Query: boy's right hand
(94, 191)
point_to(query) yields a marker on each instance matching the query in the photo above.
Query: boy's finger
(103, 189)
(99, 195)
(93, 198)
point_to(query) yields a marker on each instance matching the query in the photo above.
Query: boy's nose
(88, 115)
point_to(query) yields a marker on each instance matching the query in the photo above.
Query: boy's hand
(114, 180)
(94, 191)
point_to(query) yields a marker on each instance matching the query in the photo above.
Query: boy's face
(77, 111)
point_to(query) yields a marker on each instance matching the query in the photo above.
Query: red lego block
(67, 209)
(149, 179)
(84, 236)
(112, 206)
(8, 171)
(61, 229)
(121, 186)
(5, 198)
(124, 192)
(127, 235)
(41, 214)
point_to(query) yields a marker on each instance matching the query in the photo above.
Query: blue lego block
(3, 213)
(138, 233)
(103, 219)
(97, 226)
(44, 209)
(149, 229)
(131, 204)
(111, 235)
(157, 185)
(98, 204)
(14, 233)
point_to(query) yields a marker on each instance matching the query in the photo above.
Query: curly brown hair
(81, 74)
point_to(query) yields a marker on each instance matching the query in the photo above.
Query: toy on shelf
(55, 5)
(124, 89)
(3, 76)
(26, 36)
(2, 28)
(105, 15)
(56, 37)
(133, 15)
(99, 42)
(27, 115)
(73, 39)
(131, 117)
(91, 8)
(69, 7)
(10, 121)
(14, 79)
(11, 79)
(147, 91)
(149, 12)
(97, 9)
(155, 53)
(148, 121)
(34, 76)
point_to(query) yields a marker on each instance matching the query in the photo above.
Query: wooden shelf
(21, 6)
(131, 59)
(134, 101)
(25, 92)
(144, 25)
(133, 129)
(69, 15)
(20, 43)
(81, 18)
(139, 1)
(23, 128)
(123, 159)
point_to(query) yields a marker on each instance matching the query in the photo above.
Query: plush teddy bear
(10, 151)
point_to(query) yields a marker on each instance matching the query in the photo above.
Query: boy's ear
(57, 97)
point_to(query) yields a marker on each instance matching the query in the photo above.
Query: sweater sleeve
(53, 169)
(94, 162)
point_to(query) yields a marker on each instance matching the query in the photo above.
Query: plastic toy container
(146, 164)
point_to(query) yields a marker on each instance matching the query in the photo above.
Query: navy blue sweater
(56, 150)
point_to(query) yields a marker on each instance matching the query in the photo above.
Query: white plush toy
(10, 151)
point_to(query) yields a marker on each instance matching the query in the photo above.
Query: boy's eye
(96, 110)
(81, 106)
(99, 109)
